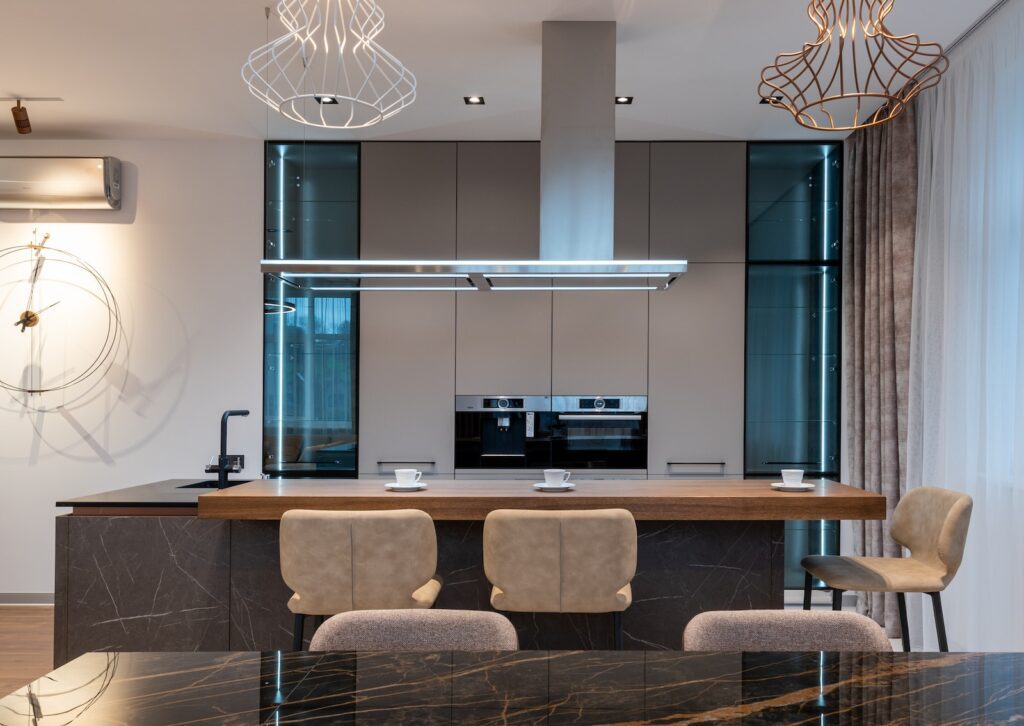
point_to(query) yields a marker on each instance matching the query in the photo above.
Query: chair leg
(837, 599)
(940, 622)
(617, 629)
(808, 582)
(300, 622)
(901, 600)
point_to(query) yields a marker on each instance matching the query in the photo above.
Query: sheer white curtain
(966, 416)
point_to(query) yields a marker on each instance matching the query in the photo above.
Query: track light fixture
(21, 122)
(20, 112)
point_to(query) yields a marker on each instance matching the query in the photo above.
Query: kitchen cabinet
(599, 343)
(695, 404)
(499, 200)
(698, 201)
(407, 339)
(632, 200)
(503, 343)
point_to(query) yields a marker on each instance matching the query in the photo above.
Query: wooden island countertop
(469, 500)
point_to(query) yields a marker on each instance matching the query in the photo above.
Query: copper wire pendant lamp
(856, 73)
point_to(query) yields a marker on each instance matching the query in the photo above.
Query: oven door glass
(599, 441)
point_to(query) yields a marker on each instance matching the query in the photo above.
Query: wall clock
(59, 321)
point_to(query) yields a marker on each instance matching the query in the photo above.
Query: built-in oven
(598, 432)
(502, 432)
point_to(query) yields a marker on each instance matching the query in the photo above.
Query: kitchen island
(159, 567)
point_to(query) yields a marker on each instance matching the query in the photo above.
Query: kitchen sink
(211, 484)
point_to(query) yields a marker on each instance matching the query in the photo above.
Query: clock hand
(29, 319)
(33, 278)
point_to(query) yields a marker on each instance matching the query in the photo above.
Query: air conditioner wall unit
(60, 182)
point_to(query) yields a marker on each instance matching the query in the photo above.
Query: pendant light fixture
(856, 73)
(328, 70)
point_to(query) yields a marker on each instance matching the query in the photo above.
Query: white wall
(182, 259)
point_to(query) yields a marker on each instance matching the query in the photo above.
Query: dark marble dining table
(525, 687)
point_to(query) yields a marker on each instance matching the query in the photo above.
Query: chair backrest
(560, 561)
(416, 630)
(932, 523)
(340, 561)
(784, 630)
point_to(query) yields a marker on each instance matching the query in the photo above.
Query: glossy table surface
(468, 500)
(524, 687)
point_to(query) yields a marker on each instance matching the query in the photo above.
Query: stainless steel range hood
(577, 196)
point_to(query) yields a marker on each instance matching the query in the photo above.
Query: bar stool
(336, 562)
(561, 561)
(416, 631)
(932, 523)
(783, 630)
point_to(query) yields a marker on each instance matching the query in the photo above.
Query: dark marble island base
(527, 688)
(179, 583)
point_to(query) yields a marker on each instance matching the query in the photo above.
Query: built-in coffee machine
(502, 432)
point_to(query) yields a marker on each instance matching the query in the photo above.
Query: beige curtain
(878, 273)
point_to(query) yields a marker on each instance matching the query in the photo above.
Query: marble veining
(525, 687)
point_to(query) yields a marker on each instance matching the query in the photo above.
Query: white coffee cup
(407, 477)
(556, 477)
(792, 476)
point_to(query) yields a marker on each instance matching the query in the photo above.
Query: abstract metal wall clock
(59, 321)
(856, 73)
(328, 69)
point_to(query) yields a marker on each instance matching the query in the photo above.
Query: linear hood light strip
(380, 275)
(575, 275)
(575, 288)
(402, 288)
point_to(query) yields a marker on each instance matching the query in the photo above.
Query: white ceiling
(171, 69)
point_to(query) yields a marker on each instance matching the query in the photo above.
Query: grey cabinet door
(697, 374)
(499, 200)
(632, 200)
(599, 343)
(503, 343)
(407, 339)
(698, 201)
(407, 200)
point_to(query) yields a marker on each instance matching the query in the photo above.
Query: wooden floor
(26, 644)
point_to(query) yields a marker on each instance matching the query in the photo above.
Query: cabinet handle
(788, 463)
(381, 462)
(696, 463)
(599, 417)
(510, 456)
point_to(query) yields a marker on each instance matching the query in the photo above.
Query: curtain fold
(878, 262)
(966, 415)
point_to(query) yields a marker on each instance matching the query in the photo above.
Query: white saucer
(784, 487)
(545, 487)
(394, 486)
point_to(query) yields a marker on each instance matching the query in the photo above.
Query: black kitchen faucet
(227, 463)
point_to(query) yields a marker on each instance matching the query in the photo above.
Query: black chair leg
(901, 600)
(837, 599)
(940, 622)
(617, 629)
(808, 582)
(297, 628)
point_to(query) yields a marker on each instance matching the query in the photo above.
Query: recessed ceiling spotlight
(326, 100)
(770, 101)
(624, 100)
(473, 100)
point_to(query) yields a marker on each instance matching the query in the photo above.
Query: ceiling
(147, 69)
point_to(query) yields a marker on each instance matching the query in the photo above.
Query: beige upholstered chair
(930, 522)
(784, 630)
(341, 561)
(561, 561)
(416, 630)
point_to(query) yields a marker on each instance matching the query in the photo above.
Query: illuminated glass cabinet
(310, 336)
(793, 364)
